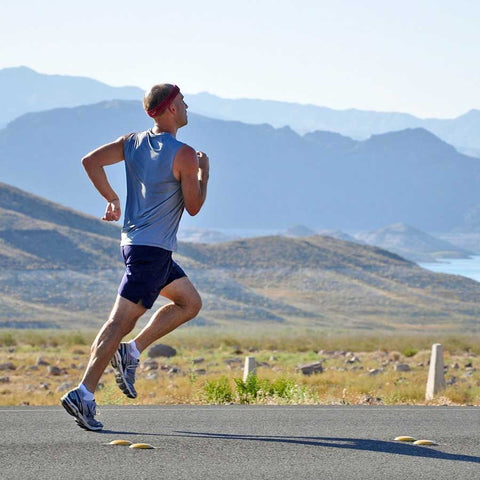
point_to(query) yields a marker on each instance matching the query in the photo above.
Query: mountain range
(462, 132)
(61, 269)
(261, 177)
(413, 244)
(22, 90)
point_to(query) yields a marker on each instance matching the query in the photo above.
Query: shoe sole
(72, 409)
(116, 363)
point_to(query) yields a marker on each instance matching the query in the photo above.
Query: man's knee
(192, 305)
(183, 294)
(125, 313)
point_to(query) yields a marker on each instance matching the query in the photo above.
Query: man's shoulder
(138, 135)
(185, 150)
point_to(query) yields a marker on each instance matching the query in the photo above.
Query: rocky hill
(64, 274)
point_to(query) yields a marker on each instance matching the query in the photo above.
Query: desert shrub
(7, 339)
(251, 389)
(218, 391)
(75, 338)
(283, 390)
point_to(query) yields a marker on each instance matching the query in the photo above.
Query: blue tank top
(154, 196)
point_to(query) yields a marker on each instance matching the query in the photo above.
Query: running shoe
(84, 411)
(125, 365)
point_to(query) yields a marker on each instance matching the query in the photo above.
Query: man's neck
(159, 128)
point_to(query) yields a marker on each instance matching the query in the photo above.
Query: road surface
(242, 442)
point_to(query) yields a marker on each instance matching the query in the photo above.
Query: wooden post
(436, 375)
(250, 367)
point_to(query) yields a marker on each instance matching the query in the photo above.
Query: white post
(436, 375)
(250, 367)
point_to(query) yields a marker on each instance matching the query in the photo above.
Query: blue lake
(467, 267)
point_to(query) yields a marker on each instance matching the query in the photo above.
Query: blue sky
(418, 56)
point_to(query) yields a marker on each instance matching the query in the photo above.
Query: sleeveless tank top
(154, 197)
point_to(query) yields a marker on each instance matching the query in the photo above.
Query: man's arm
(93, 163)
(192, 170)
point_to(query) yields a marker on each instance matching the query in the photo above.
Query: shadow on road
(367, 444)
(335, 442)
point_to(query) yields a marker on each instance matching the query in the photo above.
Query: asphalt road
(242, 442)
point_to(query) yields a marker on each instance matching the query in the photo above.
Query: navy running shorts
(147, 271)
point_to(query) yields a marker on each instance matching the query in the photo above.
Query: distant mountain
(262, 177)
(61, 269)
(462, 132)
(339, 235)
(412, 243)
(299, 231)
(24, 90)
(465, 240)
(202, 235)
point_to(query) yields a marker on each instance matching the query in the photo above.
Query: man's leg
(122, 319)
(80, 402)
(186, 303)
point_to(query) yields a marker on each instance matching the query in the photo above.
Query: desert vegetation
(38, 366)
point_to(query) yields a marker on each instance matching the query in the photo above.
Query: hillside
(262, 177)
(36, 233)
(56, 276)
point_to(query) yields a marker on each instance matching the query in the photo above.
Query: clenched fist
(203, 162)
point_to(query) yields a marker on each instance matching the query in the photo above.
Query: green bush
(74, 338)
(7, 339)
(218, 391)
(410, 352)
(251, 389)
(284, 389)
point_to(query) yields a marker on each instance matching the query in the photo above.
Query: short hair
(156, 95)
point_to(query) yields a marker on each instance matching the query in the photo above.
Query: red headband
(153, 112)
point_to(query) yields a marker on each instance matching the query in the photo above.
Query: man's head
(166, 99)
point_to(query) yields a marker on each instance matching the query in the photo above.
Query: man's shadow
(366, 444)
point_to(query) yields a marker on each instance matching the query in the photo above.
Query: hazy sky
(417, 56)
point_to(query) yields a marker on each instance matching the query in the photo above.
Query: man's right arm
(192, 169)
(94, 163)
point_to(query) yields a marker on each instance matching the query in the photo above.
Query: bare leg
(186, 305)
(122, 319)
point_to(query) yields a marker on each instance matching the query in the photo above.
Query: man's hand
(203, 162)
(112, 212)
(94, 164)
(203, 166)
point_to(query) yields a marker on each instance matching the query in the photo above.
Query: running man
(164, 176)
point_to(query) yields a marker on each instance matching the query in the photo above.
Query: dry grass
(279, 353)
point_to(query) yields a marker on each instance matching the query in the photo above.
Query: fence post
(250, 367)
(436, 375)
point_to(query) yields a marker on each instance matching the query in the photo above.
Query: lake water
(467, 267)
